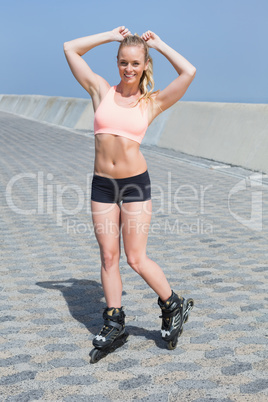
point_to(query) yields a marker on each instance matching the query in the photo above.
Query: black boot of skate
(111, 336)
(175, 312)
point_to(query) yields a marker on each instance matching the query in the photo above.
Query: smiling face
(131, 63)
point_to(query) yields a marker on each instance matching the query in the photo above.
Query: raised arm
(177, 88)
(75, 49)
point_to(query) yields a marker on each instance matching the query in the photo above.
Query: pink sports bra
(111, 118)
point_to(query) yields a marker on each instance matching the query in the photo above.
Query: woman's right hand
(120, 33)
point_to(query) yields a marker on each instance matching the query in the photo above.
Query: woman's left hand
(151, 38)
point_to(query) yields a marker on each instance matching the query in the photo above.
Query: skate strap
(166, 314)
(112, 324)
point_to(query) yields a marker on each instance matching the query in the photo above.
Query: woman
(121, 194)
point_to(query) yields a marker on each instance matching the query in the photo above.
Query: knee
(109, 259)
(136, 262)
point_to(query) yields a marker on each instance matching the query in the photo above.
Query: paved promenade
(209, 233)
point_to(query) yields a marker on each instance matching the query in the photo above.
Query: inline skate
(175, 312)
(111, 336)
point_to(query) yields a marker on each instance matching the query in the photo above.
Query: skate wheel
(190, 304)
(189, 307)
(98, 354)
(95, 355)
(173, 344)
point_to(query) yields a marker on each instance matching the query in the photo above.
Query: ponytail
(147, 81)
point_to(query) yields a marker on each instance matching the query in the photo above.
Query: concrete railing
(68, 112)
(232, 133)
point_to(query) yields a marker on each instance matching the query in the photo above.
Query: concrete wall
(233, 133)
(68, 112)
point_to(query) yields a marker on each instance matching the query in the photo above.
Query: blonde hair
(146, 84)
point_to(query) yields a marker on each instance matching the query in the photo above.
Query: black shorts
(128, 189)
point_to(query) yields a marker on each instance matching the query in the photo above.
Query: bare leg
(135, 220)
(106, 221)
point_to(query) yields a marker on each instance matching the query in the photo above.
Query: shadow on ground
(84, 300)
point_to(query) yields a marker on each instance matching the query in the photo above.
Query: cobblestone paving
(209, 233)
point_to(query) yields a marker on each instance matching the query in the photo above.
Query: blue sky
(225, 40)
